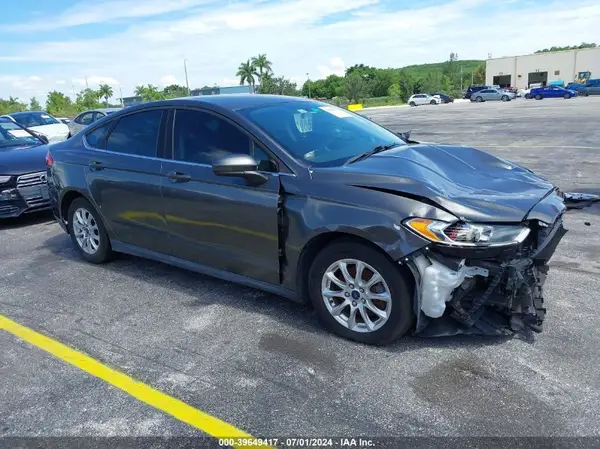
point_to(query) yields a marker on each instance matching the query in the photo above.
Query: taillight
(49, 160)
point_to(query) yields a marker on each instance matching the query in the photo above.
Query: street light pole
(308, 78)
(187, 84)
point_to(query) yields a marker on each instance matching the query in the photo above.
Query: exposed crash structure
(488, 290)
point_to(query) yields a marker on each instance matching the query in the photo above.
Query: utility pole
(187, 83)
(308, 78)
(461, 77)
(472, 77)
(86, 83)
(121, 90)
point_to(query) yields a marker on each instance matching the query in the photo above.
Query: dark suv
(315, 203)
(474, 88)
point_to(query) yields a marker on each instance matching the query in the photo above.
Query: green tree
(571, 47)
(262, 65)
(247, 73)
(278, 86)
(355, 87)
(34, 105)
(106, 92)
(479, 74)
(58, 103)
(11, 105)
(87, 99)
(175, 91)
(394, 91)
(149, 93)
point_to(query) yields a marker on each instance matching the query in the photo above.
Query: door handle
(95, 165)
(175, 176)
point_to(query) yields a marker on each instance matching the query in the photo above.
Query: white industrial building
(521, 71)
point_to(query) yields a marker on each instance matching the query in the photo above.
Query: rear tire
(586, 94)
(88, 233)
(386, 320)
(433, 102)
(412, 104)
(479, 100)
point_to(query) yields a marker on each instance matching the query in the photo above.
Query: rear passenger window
(136, 134)
(97, 138)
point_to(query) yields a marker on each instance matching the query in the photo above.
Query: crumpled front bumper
(487, 292)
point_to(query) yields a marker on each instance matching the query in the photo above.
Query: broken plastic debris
(575, 200)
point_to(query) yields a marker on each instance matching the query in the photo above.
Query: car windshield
(30, 119)
(320, 134)
(12, 135)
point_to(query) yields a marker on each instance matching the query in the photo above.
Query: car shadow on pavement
(26, 220)
(299, 316)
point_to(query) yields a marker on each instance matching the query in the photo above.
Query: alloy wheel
(356, 295)
(86, 231)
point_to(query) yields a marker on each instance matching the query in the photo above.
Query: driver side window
(203, 138)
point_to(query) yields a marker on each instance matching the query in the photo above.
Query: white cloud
(168, 80)
(85, 13)
(298, 36)
(335, 67)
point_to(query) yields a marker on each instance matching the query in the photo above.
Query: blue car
(552, 92)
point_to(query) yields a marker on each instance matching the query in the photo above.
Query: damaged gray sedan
(384, 235)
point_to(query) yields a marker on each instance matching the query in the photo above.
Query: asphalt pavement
(265, 364)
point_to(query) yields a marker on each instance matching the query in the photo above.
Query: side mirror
(239, 166)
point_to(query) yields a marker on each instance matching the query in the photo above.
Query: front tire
(505, 98)
(433, 102)
(567, 96)
(359, 294)
(88, 233)
(412, 104)
(538, 97)
(479, 100)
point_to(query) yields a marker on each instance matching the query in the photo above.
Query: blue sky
(57, 44)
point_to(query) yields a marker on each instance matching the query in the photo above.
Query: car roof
(103, 110)
(225, 101)
(16, 114)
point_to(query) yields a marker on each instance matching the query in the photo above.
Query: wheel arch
(321, 241)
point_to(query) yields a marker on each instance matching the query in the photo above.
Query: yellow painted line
(163, 402)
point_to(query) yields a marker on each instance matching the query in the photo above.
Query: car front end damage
(487, 288)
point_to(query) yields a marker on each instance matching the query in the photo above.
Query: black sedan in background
(384, 235)
(444, 97)
(23, 186)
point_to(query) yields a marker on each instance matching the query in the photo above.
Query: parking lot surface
(266, 366)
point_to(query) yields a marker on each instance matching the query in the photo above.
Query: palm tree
(149, 92)
(105, 91)
(262, 64)
(247, 72)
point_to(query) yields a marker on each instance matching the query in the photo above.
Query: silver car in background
(87, 118)
(493, 95)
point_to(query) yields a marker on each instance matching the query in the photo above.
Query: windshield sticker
(303, 121)
(44, 116)
(336, 111)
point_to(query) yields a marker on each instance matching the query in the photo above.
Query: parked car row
(41, 123)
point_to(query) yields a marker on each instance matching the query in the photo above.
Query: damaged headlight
(467, 234)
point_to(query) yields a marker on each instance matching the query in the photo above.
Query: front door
(123, 175)
(218, 221)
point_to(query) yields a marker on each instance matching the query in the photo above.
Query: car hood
(470, 184)
(23, 159)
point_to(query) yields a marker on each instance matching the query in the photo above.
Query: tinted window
(85, 119)
(319, 134)
(97, 138)
(136, 134)
(265, 162)
(29, 119)
(204, 138)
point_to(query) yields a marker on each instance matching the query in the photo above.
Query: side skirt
(126, 248)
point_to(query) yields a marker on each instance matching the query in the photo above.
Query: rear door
(123, 176)
(217, 221)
